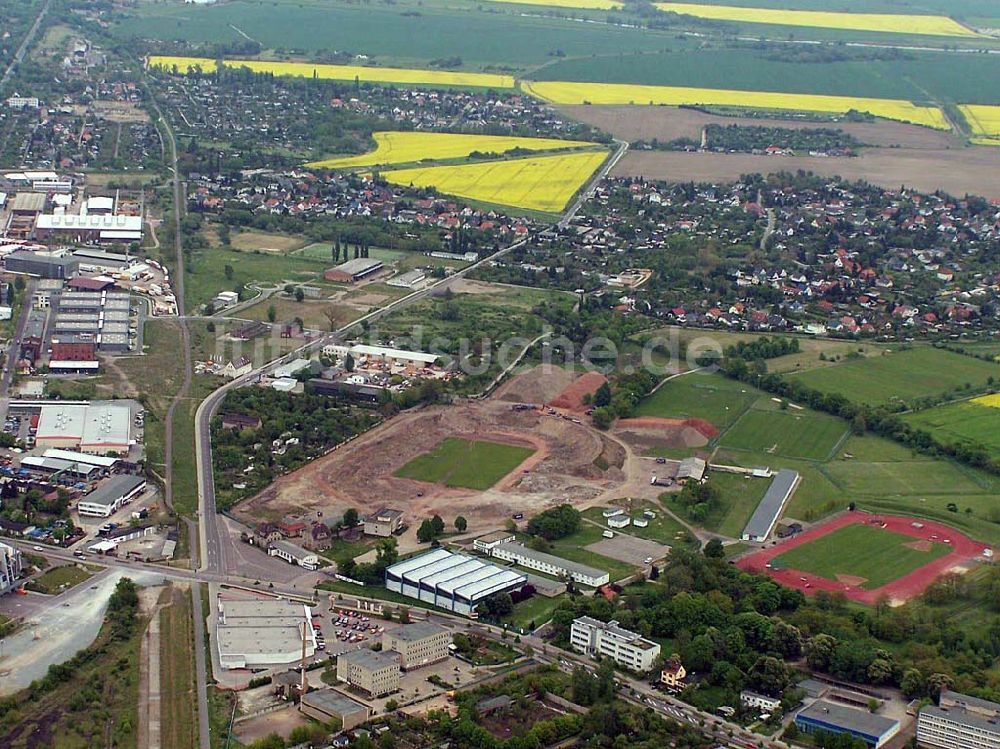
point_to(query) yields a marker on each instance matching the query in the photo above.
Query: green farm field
(956, 78)
(208, 272)
(470, 464)
(876, 555)
(900, 375)
(788, 433)
(400, 34)
(964, 422)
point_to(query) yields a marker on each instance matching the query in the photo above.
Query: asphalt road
(19, 55)
(14, 350)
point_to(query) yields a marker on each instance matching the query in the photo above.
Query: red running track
(898, 591)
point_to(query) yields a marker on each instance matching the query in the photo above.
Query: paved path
(28, 38)
(151, 708)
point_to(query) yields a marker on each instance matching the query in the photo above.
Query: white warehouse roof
(93, 222)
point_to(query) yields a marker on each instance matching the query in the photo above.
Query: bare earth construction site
(567, 463)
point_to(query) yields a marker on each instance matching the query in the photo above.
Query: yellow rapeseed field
(885, 22)
(561, 92)
(991, 401)
(984, 120)
(582, 4)
(395, 147)
(409, 76)
(541, 183)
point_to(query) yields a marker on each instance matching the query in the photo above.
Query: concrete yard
(628, 549)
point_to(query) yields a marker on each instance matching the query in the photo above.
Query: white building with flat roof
(263, 633)
(607, 640)
(97, 428)
(550, 564)
(959, 721)
(111, 496)
(10, 567)
(293, 554)
(454, 582)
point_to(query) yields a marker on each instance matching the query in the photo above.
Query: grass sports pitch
(788, 433)
(861, 551)
(470, 464)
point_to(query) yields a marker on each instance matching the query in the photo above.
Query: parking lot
(629, 549)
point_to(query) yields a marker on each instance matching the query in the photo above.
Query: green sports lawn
(876, 555)
(788, 433)
(712, 397)
(900, 375)
(469, 464)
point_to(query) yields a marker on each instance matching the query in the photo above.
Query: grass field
(544, 183)
(567, 92)
(876, 555)
(342, 72)
(394, 147)
(663, 528)
(59, 579)
(973, 421)
(984, 121)
(581, 4)
(738, 498)
(789, 433)
(177, 677)
(880, 22)
(712, 397)
(900, 375)
(207, 276)
(471, 464)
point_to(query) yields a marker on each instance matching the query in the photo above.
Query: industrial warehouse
(263, 633)
(769, 509)
(99, 428)
(454, 582)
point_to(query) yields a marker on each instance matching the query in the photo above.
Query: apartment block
(959, 722)
(419, 644)
(608, 640)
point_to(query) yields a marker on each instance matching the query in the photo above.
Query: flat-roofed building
(595, 638)
(383, 523)
(261, 633)
(42, 265)
(353, 270)
(99, 428)
(418, 644)
(29, 203)
(380, 355)
(111, 496)
(959, 721)
(11, 566)
(823, 715)
(329, 706)
(454, 582)
(408, 280)
(376, 674)
(63, 467)
(550, 564)
(88, 228)
(765, 517)
(101, 461)
(490, 541)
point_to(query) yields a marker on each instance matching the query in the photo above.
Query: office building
(376, 674)
(43, 266)
(418, 644)
(550, 564)
(959, 722)
(607, 640)
(823, 715)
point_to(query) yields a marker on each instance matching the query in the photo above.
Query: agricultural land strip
(395, 147)
(407, 76)
(880, 22)
(566, 93)
(544, 183)
(984, 122)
